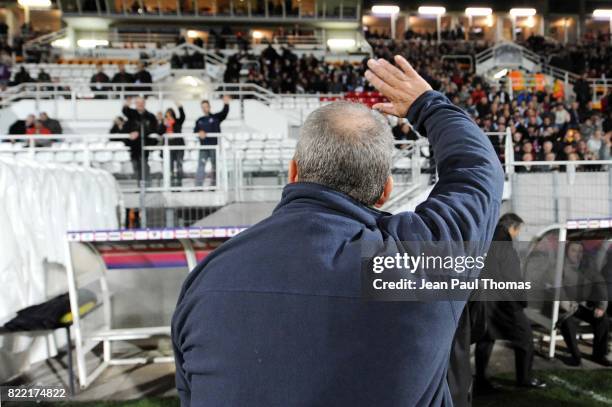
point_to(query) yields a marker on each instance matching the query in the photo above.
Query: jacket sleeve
(128, 112)
(464, 204)
(181, 118)
(223, 113)
(196, 126)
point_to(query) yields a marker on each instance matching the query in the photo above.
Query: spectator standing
(21, 127)
(140, 125)
(22, 76)
(582, 90)
(122, 77)
(142, 77)
(209, 123)
(53, 125)
(39, 130)
(43, 76)
(171, 125)
(97, 80)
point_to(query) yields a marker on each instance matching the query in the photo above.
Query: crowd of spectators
(285, 72)
(543, 128)
(101, 82)
(591, 56)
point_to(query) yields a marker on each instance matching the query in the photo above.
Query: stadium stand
(545, 104)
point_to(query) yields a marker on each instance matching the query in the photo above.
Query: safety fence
(545, 193)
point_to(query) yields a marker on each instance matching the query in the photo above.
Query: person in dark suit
(471, 328)
(506, 319)
(276, 316)
(122, 77)
(143, 77)
(140, 125)
(97, 80)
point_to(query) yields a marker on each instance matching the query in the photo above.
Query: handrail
(45, 38)
(213, 57)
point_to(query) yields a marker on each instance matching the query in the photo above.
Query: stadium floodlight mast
(435, 11)
(604, 13)
(387, 10)
(472, 12)
(520, 12)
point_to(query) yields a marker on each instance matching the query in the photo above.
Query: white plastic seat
(241, 136)
(240, 145)
(156, 167)
(115, 144)
(64, 156)
(272, 144)
(190, 166)
(288, 143)
(254, 154)
(121, 155)
(251, 165)
(44, 156)
(103, 156)
(272, 154)
(113, 167)
(259, 137)
(255, 144)
(155, 156)
(403, 163)
(287, 154)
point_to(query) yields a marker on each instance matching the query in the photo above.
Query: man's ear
(293, 172)
(386, 192)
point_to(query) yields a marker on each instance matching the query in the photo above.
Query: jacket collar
(318, 196)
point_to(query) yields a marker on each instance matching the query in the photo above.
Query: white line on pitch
(576, 389)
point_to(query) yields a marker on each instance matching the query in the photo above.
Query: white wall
(40, 202)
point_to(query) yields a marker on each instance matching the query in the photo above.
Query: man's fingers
(378, 68)
(382, 86)
(392, 70)
(386, 108)
(405, 65)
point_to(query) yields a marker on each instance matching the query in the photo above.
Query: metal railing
(74, 92)
(599, 87)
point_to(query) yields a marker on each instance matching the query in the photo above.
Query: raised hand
(401, 86)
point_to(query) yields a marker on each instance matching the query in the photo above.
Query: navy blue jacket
(211, 124)
(275, 316)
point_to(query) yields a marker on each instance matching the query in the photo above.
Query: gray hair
(347, 147)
